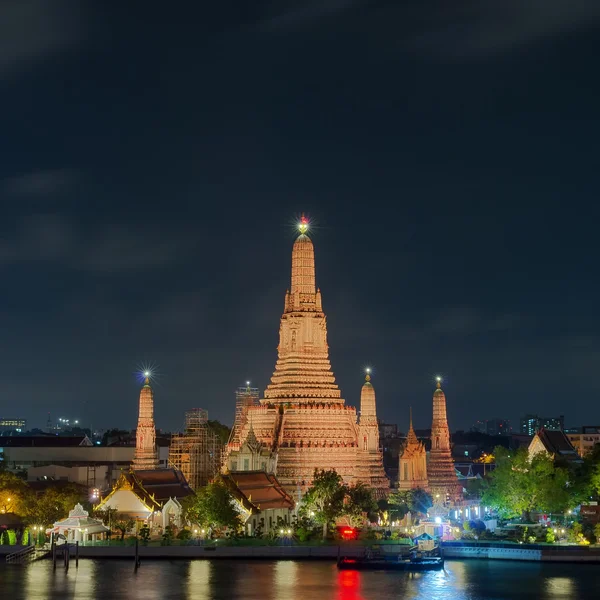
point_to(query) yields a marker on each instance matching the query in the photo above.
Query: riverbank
(523, 552)
(451, 550)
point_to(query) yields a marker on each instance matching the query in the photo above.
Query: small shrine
(149, 496)
(78, 526)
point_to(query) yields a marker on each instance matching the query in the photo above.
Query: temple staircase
(26, 555)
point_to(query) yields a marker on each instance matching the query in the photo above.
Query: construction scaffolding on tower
(245, 397)
(197, 451)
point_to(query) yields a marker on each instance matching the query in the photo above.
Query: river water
(294, 580)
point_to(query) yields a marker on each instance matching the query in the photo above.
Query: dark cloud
(42, 183)
(35, 30)
(93, 248)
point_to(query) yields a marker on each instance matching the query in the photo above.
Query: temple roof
(163, 484)
(259, 489)
(153, 487)
(557, 443)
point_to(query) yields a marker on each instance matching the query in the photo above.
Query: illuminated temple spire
(411, 438)
(412, 462)
(368, 415)
(146, 456)
(443, 481)
(368, 409)
(303, 371)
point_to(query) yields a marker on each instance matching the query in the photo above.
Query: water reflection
(198, 579)
(560, 587)
(288, 580)
(349, 585)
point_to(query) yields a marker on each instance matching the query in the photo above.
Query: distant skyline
(154, 162)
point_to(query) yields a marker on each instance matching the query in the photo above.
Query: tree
(212, 507)
(358, 503)
(324, 501)
(123, 523)
(107, 515)
(14, 493)
(416, 501)
(53, 504)
(520, 484)
(221, 430)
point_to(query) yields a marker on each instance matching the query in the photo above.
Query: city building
(197, 451)
(262, 502)
(555, 443)
(585, 439)
(302, 418)
(412, 465)
(388, 430)
(8, 425)
(493, 426)
(531, 423)
(443, 481)
(66, 459)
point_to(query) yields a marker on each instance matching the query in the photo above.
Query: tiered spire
(411, 438)
(368, 409)
(412, 464)
(442, 475)
(303, 371)
(146, 456)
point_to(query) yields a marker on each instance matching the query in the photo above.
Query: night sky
(154, 159)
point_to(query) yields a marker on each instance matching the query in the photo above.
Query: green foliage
(328, 499)
(467, 526)
(14, 493)
(358, 504)
(222, 431)
(416, 501)
(324, 501)
(597, 532)
(107, 515)
(184, 534)
(25, 537)
(519, 485)
(53, 504)
(550, 537)
(4, 538)
(12, 537)
(167, 536)
(145, 534)
(212, 507)
(123, 523)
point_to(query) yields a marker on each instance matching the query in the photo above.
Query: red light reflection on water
(348, 585)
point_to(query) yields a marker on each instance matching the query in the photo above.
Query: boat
(384, 564)
(376, 560)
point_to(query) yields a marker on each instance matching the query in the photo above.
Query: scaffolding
(197, 451)
(245, 397)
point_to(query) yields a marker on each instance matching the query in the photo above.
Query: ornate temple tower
(412, 463)
(369, 428)
(369, 456)
(443, 482)
(146, 456)
(302, 418)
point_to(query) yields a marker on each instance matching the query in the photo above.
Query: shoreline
(451, 550)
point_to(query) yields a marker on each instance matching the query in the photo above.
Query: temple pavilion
(79, 527)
